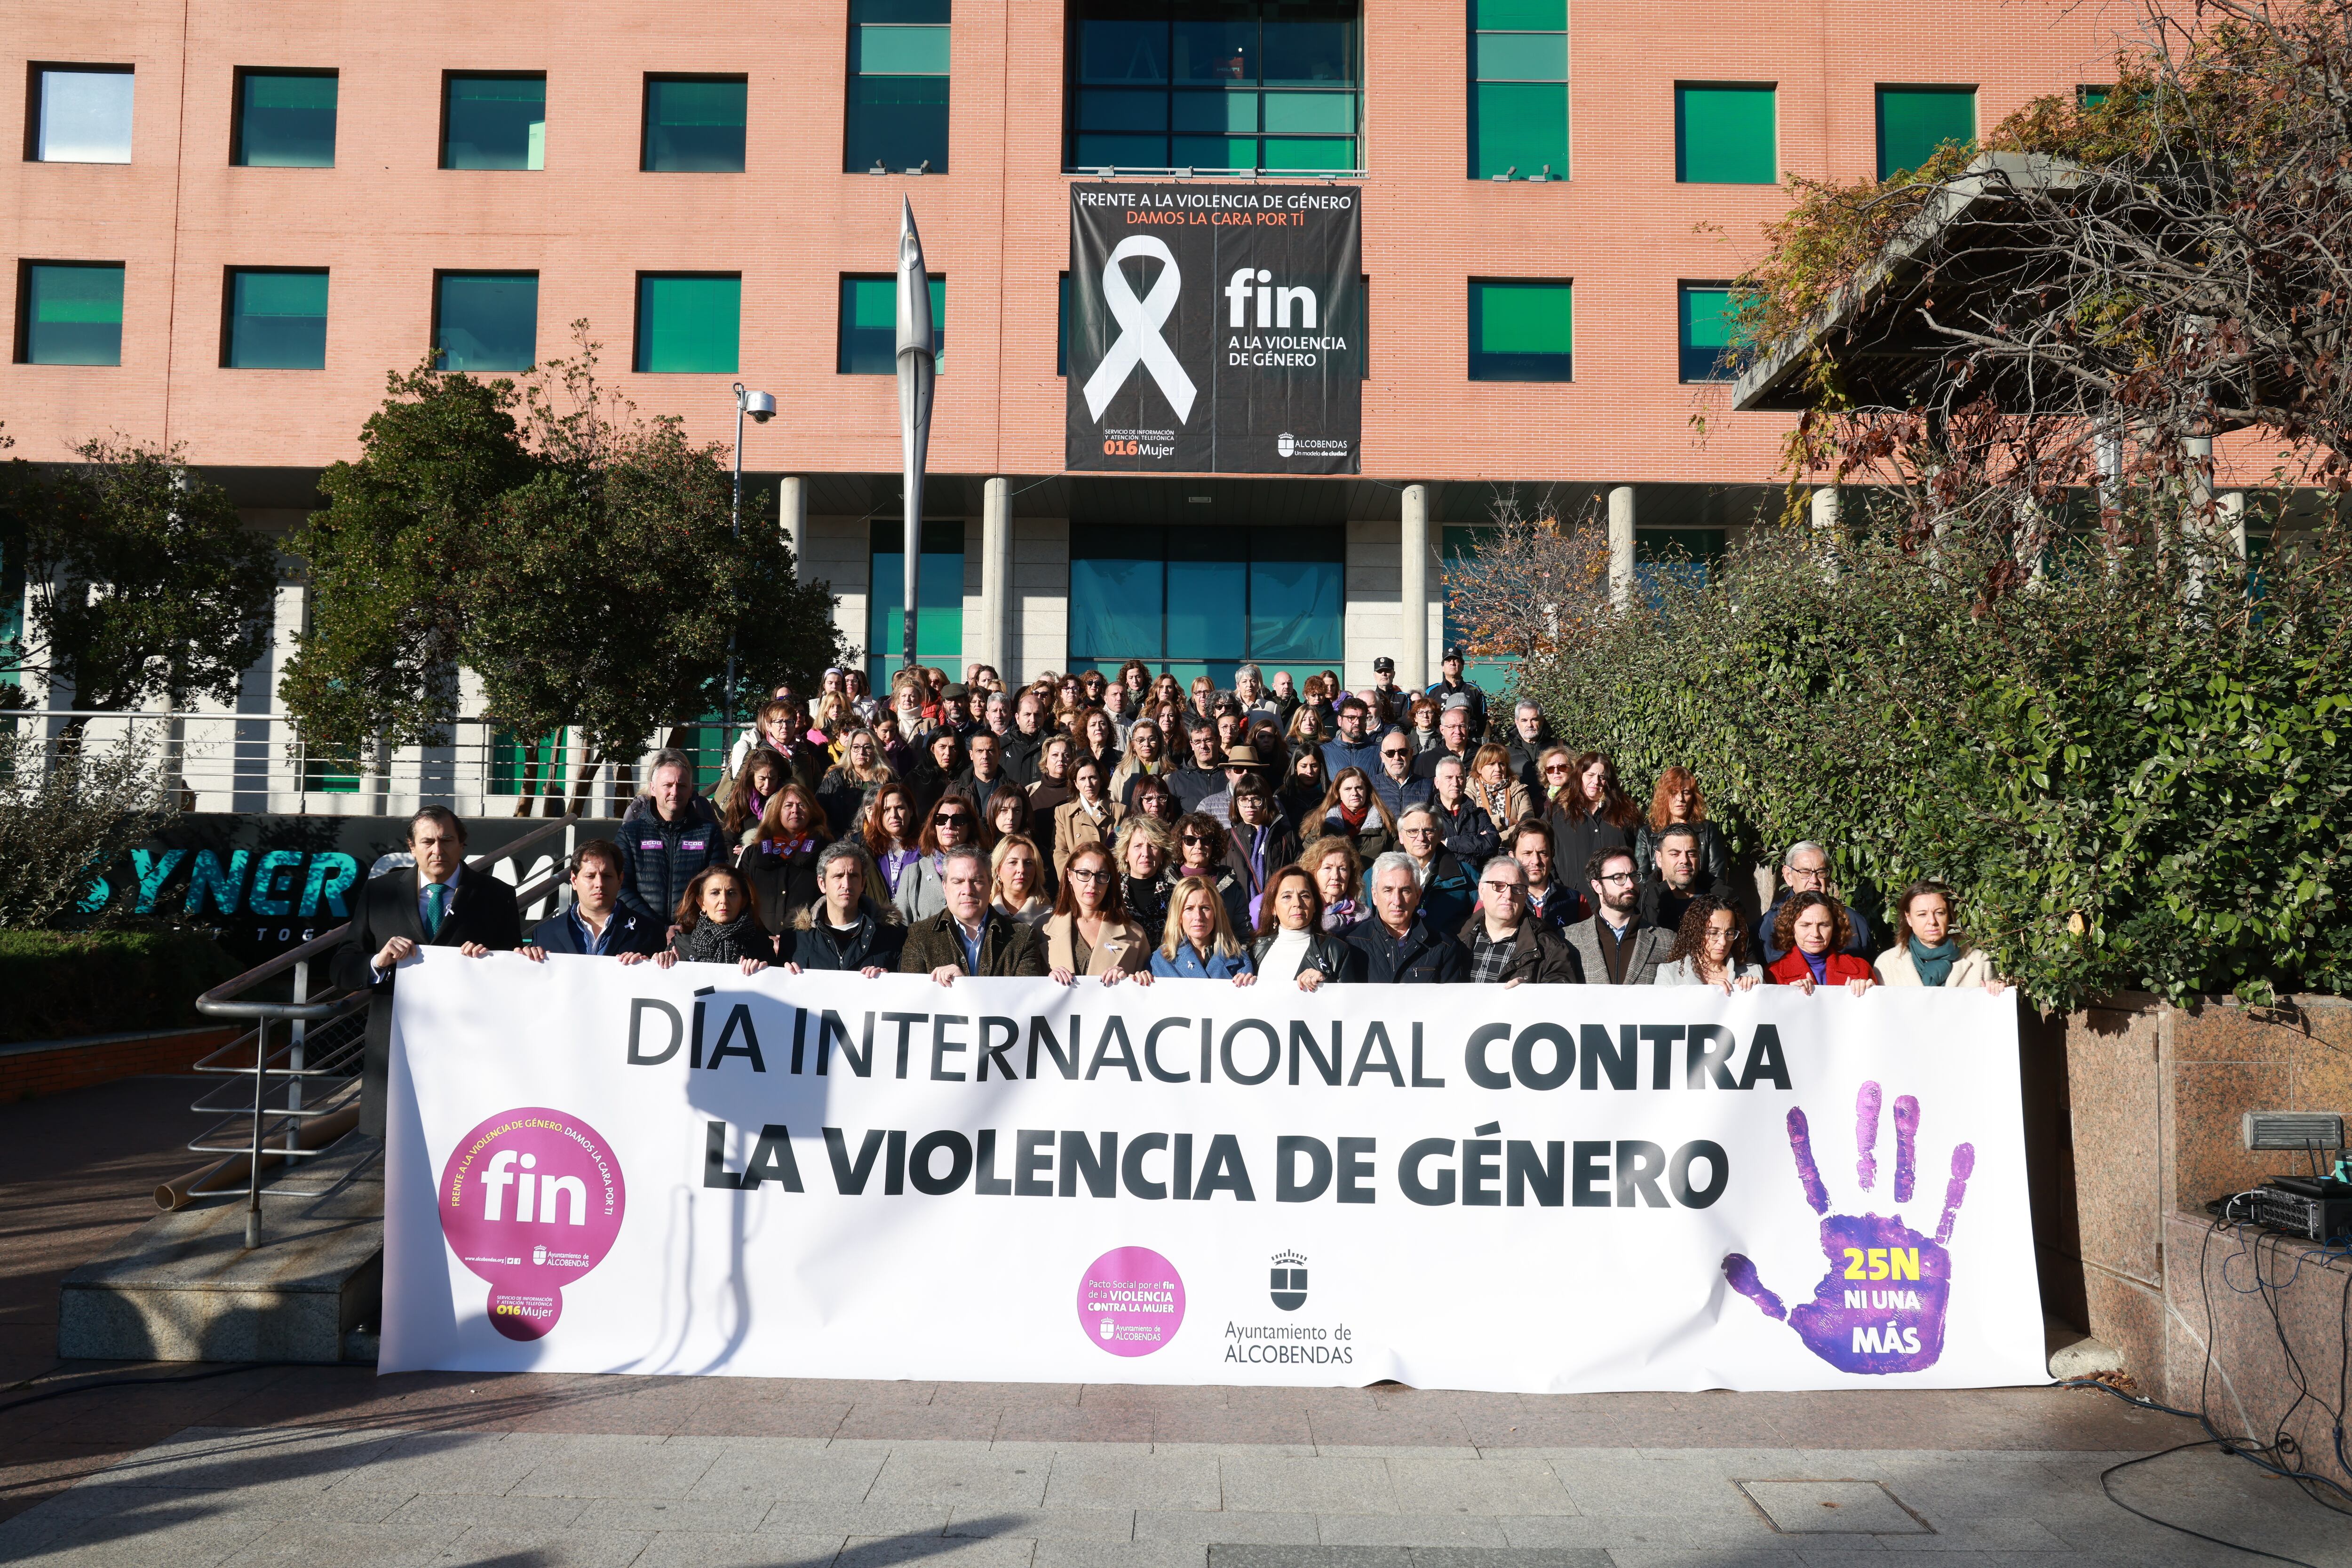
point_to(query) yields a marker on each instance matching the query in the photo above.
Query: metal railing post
(253, 1172)
(294, 1059)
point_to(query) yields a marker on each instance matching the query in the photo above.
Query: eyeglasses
(1195, 838)
(1614, 876)
(944, 817)
(1392, 756)
(1493, 886)
(1086, 874)
(1558, 770)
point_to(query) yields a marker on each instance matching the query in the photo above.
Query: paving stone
(887, 1551)
(1120, 1476)
(1408, 1530)
(551, 1548)
(602, 1466)
(1477, 1486)
(431, 1511)
(1308, 1486)
(131, 1543)
(713, 1548)
(481, 1462)
(212, 1458)
(1692, 1531)
(802, 1517)
(1621, 1481)
(963, 1476)
(317, 1545)
(1228, 1528)
(648, 1516)
(1845, 1508)
(1119, 1554)
(1309, 1557)
(1043, 1523)
(841, 1473)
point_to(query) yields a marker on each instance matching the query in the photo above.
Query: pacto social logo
(1130, 1301)
(1879, 1309)
(530, 1200)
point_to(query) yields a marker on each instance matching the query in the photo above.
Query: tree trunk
(525, 795)
(590, 760)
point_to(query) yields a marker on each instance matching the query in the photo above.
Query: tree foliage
(2137, 770)
(579, 560)
(64, 816)
(141, 581)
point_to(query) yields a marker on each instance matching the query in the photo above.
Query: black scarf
(710, 943)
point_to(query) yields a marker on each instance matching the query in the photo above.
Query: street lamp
(762, 408)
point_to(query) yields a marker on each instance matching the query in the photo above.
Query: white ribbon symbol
(1139, 342)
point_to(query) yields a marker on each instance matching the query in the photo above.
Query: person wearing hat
(1451, 685)
(1387, 697)
(1242, 762)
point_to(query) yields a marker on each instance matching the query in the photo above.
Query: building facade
(230, 221)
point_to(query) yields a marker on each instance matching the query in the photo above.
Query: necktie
(436, 901)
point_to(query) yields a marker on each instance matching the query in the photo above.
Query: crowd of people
(1128, 827)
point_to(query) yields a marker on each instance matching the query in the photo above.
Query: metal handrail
(300, 1014)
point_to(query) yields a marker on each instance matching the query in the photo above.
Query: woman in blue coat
(1199, 942)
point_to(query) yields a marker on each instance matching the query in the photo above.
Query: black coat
(1426, 955)
(481, 909)
(1576, 839)
(626, 931)
(1018, 754)
(1329, 955)
(876, 942)
(784, 884)
(1538, 954)
(1467, 831)
(659, 858)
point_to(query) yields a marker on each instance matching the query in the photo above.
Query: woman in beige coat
(1088, 816)
(1928, 952)
(1088, 933)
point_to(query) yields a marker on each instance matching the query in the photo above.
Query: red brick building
(229, 221)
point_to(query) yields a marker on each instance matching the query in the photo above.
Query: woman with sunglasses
(953, 824)
(1200, 853)
(1090, 932)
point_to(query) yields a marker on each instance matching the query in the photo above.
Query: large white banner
(595, 1168)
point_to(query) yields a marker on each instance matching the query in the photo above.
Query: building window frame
(1723, 365)
(845, 315)
(229, 278)
(1519, 364)
(21, 351)
(1769, 90)
(442, 275)
(886, 540)
(238, 154)
(1887, 167)
(646, 121)
(640, 346)
(855, 159)
(449, 81)
(1256, 552)
(1483, 166)
(37, 105)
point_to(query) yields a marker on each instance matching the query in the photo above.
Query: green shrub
(61, 984)
(2135, 767)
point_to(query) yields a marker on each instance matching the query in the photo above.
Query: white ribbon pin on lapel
(1139, 342)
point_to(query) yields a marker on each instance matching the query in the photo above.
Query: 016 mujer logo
(530, 1200)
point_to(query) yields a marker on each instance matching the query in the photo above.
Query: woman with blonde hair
(1017, 881)
(1146, 757)
(1493, 790)
(1928, 950)
(849, 785)
(779, 860)
(1141, 855)
(1090, 932)
(1199, 942)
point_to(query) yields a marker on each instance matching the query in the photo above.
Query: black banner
(1216, 328)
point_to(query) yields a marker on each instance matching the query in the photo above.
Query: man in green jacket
(969, 937)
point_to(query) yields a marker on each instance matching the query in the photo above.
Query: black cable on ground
(146, 1382)
(2215, 1540)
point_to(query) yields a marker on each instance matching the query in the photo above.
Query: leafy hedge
(2137, 770)
(65, 983)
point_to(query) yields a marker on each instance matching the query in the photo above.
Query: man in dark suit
(596, 926)
(440, 902)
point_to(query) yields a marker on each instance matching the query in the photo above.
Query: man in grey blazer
(1614, 946)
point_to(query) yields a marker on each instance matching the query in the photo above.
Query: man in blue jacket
(1351, 747)
(1397, 947)
(667, 835)
(596, 926)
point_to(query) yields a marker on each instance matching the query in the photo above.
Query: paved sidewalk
(549, 1473)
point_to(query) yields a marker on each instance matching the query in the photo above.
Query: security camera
(760, 405)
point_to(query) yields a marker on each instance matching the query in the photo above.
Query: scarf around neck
(710, 943)
(1933, 963)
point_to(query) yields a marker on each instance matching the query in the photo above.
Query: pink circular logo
(1130, 1301)
(530, 1200)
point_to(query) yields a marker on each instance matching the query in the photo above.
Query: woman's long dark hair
(688, 913)
(1617, 809)
(1113, 907)
(1690, 937)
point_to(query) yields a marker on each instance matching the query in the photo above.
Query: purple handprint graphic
(1880, 1307)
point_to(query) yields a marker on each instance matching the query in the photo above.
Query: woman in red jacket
(1813, 928)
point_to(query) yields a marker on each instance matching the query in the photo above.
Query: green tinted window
(285, 119)
(689, 321)
(495, 122)
(1913, 121)
(897, 110)
(694, 125)
(1519, 89)
(1707, 334)
(1725, 136)
(869, 325)
(277, 320)
(1204, 599)
(1522, 332)
(72, 314)
(486, 321)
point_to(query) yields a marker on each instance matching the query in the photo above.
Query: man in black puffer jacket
(667, 835)
(1397, 947)
(845, 930)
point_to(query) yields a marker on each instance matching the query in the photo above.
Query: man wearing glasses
(1507, 944)
(1614, 947)
(1351, 748)
(1398, 786)
(1805, 869)
(1201, 776)
(954, 824)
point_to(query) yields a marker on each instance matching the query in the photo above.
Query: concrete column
(2229, 509)
(994, 646)
(1825, 509)
(1621, 546)
(1412, 591)
(791, 516)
